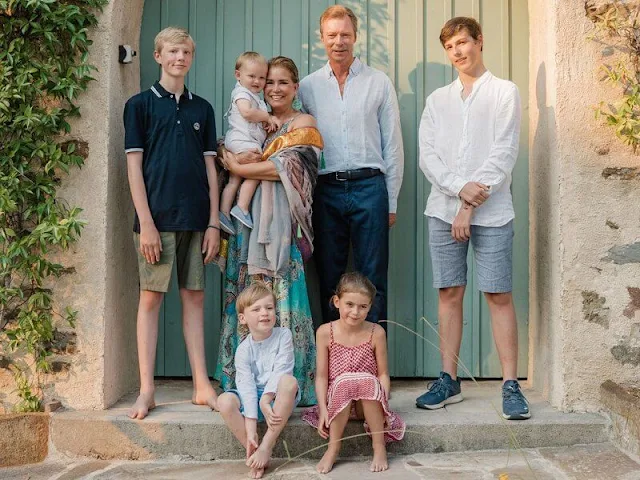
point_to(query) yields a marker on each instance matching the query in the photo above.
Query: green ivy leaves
(44, 46)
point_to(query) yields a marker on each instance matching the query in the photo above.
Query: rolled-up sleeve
(245, 383)
(435, 169)
(497, 168)
(284, 361)
(392, 146)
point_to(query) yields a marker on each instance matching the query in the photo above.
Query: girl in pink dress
(351, 366)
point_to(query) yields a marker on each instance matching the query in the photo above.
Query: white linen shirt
(361, 128)
(243, 135)
(261, 365)
(472, 140)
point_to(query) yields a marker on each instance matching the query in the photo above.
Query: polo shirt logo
(196, 126)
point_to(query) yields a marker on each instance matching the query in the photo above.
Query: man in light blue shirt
(361, 171)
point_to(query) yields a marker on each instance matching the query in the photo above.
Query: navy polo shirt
(173, 137)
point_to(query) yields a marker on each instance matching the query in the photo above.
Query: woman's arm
(380, 348)
(255, 171)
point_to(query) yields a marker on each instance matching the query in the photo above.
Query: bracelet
(213, 226)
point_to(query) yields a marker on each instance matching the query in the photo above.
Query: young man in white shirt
(361, 170)
(469, 136)
(266, 388)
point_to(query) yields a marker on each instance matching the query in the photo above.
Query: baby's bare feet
(260, 458)
(140, 409)
(205, 396)
(379, 463)
(326, 462)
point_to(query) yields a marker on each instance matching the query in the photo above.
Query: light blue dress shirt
(361, 128)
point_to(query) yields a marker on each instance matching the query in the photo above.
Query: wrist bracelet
(213, 226)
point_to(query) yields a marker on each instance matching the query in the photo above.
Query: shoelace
(437, 386)
(512, 395)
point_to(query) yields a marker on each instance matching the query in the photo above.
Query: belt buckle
(341, 179)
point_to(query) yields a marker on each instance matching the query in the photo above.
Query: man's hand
(150, 243)
(474, 193)
(269, 415)
(392, 219)
(461, 227)
(210, 244)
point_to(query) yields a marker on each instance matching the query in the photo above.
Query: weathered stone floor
(580, 462)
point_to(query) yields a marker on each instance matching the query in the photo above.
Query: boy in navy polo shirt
(170, 141)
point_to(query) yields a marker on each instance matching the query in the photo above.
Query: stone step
(178, 429)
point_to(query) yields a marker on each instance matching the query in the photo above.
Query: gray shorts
(493, 248)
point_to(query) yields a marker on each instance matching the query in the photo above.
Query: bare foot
(256, 472)
(326, 462)
(260, 458)
(140, 409)
(205, 396)
(379, 463)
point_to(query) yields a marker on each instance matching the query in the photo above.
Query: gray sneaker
(244, 218)
(514, 405)
(226, 225)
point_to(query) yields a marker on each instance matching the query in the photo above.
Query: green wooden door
(401, 38)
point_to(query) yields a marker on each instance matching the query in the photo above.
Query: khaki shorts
(183, 248)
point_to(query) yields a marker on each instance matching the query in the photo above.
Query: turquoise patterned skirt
(292, 311)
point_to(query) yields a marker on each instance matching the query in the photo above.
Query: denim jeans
(352, 212)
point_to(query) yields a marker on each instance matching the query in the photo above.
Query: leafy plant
(43, 68)
(617, 26)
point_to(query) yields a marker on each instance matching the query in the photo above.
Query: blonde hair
(355, 282)
(339, 11)
(250, 295)
(287, 64)
(173, 35)
(249, 57)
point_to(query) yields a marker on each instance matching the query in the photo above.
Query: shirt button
(171, 96)
(178, 121)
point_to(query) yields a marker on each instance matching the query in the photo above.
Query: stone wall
(585, 218)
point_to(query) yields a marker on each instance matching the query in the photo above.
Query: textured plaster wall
(104, 287)
(585, 218)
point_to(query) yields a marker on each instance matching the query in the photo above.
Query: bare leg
(147, 337)
(193, 328)
(374, 415)
(283, 406)
(247, 189)
(505, 332)
(229, 407)
(229, 193)
(450, 320)
(336, 429)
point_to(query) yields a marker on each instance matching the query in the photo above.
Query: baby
(246, 114)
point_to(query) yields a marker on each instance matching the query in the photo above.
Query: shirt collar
(160, 92)
(483, 78)
(254, 95)
(354, 69)
(262, 342)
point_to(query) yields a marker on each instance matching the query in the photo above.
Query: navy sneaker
(443, 391)
(514, 405)
(244, 218)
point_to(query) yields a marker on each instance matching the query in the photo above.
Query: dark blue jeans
(352, 212)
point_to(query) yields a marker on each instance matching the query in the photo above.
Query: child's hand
(252, 442)
(275, 122)
(269, 415)
(323, 424)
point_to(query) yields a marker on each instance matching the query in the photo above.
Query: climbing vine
(43, 68)
(617, 28)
